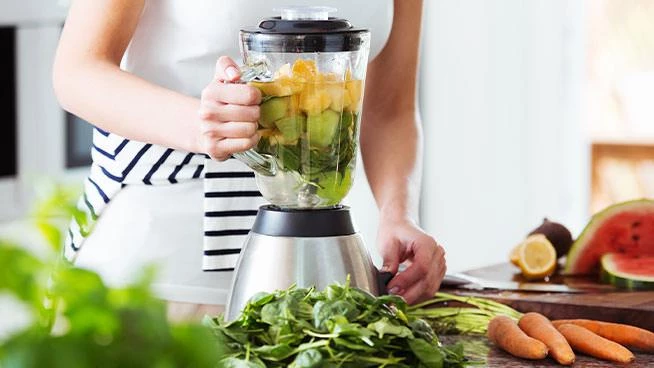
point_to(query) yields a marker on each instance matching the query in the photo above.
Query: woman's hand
(402, 241)
(228, 113)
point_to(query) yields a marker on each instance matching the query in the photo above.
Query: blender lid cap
(304, 29)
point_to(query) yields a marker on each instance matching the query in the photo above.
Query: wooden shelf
(621, 170)
(623, 140)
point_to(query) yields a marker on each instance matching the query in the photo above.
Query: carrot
(540, 328)
(622, 334)
(506, 334)
(588, 342)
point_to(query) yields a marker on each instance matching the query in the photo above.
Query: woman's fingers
(227, 70)
(237, 94)
(229, 113)
(222, 149)
(211, 111)
(426, 268)
(231, 129)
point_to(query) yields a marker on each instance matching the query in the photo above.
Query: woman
(145, 73)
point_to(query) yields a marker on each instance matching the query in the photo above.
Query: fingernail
(386, 268)
(394, 290)
(231, 72)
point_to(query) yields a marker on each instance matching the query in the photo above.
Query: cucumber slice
(273, 109)
(291, 127)
(321, 128)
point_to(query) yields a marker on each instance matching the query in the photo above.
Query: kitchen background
(530, 109)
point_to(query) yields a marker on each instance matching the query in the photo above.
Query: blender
(310, 69)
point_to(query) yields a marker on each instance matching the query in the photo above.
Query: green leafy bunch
(341, 326)
(94, 325)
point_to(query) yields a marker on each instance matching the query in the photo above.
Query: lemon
(536, 257)
(514, 256)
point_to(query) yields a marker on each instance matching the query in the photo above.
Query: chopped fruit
(628, 272)
(314, 101)
(537, 257)
(355, 89)
(340, 97)
(305, 70)
(283, 86)
(626, 228)
(272, 110)
(294, 105)
(321, 128)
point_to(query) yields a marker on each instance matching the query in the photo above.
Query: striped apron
(231, 196)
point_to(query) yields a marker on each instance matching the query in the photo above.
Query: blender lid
(304, 29)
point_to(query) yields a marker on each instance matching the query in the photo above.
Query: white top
(147, 199)
(177, 41)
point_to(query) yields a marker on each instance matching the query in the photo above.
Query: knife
(464, 281)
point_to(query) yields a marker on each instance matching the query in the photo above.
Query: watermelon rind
(644, 205)
(611, 275)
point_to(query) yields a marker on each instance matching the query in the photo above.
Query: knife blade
(464, 281)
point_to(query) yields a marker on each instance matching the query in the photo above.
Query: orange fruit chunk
(304, 70)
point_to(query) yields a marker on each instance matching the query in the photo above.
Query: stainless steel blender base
(269, 263)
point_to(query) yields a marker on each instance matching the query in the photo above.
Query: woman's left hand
(402, 241)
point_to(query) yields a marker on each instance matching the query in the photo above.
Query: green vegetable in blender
(309, 125)
(332, 185)
(273, 109)
(322, 128)
(291, 127)
(340, 326)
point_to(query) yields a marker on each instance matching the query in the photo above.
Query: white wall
(499, 96)
(500, 92)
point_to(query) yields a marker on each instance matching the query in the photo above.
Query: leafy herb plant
(340, 326)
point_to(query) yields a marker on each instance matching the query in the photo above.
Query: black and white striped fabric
(231, 196)
(231, 201)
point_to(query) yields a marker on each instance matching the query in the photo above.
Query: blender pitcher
(310, 69)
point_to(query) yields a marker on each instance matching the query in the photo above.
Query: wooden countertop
(602, 302)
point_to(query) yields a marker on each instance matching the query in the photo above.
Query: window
(8, 102)
(619, 110)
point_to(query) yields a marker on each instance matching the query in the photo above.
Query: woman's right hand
(228, 113)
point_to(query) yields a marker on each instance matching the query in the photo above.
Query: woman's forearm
(391, 151)
(119, 102)
(89, 82)
(390, 133)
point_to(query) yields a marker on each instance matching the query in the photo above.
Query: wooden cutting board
(609, 304)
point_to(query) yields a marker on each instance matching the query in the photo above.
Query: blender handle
(259, 163)
(383, 278)
(262, 164)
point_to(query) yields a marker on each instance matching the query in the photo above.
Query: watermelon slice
(624, 228)
(628, 272)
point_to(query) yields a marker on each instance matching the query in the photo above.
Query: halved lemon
(536, 257)
(514, 256)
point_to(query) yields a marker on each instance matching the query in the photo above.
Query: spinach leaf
(311, 358)
(428, 354)
(385, 327)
